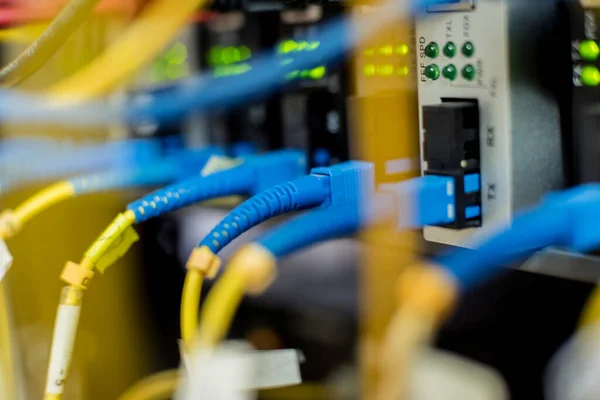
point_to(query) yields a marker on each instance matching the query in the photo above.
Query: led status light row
(385, 70)
(432, 50)
(450, 72)
(401, 49)
(589, 75)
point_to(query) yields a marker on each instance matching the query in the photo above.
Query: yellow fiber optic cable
(221, 305)
(6, 344)
(251, 271)
(22, 34)
(591, 311)
(161, 385)
(190, 303)
(426, 294)
(157, 25)
(11, 222)
(39, 52)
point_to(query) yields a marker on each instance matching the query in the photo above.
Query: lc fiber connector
(451, 149)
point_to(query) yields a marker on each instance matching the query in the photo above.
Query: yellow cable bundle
(39, 52)
(251, 271)
(11, 222)
(155, 27)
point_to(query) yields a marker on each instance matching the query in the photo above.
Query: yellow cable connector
(77, 275)
(591, 312)
(250, 271)
(11, 222)
(426, 294)
(202, 263)
(113, 243)
(156, 26)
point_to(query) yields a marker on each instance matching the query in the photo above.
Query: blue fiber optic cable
(566, 219)
(413, 203)
(207, 92)
(251, 176)
(29, 167)
(177, 166)
(334, 186)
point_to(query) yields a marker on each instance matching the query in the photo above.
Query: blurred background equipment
(299, 199)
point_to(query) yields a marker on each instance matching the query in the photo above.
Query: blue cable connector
(337, 186)
(566, 219)
(427, 200)
(253, 175)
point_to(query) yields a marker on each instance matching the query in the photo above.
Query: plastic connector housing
(582, 207)
(350, 182)
(191, 161)
(276, 167)
(427, 200)
(451, 148)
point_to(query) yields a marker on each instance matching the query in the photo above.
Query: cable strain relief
(76, 275)
(10, 225)
(427, 289)
(205, 261)
(258, 266)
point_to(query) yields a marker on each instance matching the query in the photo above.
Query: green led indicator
(245, 53)
(231, 70)
(369, 70)
(317, 73)
(402, 71)
(450, 72)
(314, 73)
(289, 46)
(432, 72)
(468, 49)
(469, 72)
(225, 55)
(386, 50)
(450, 49)
(292, 75)
(176, 54)
(172, 65)
(432, 50)
(401, 49)
(590, 76)
(589, 50)
(385, 70)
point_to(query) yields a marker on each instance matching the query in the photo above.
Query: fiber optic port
(451, 6)
(451, 148)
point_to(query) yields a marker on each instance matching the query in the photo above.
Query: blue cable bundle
(28, 167)
(414, 203)
(139, 173)
(336, 186)
(251, 176)
(267, 72)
